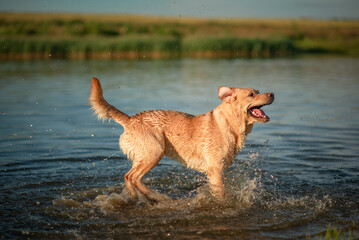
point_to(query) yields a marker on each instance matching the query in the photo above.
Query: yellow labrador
(207, 142)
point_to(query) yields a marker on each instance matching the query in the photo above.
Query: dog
(207, 142)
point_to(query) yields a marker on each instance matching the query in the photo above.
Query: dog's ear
(225, 93)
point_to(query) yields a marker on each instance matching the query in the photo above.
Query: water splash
(118, 200)
(242, 186)
(252, 203)
(249, 205)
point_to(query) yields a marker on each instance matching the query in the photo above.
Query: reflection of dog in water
(208, 142)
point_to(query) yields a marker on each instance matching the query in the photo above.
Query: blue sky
(199, 8)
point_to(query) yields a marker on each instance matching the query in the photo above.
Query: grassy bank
(143, 47)
(27, 36)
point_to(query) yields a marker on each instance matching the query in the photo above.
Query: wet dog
(208, 142)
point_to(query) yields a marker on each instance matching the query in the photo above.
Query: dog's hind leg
(143, 162)
(131, 189)
(134, 178)
(138, 175)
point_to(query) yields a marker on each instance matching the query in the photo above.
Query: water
(61, 170)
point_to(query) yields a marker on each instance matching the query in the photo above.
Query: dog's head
(247, 101)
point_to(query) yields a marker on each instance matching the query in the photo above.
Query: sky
(323, 9)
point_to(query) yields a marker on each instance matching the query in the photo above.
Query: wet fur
(208, 142)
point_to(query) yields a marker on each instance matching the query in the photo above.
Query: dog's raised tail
(102, 108)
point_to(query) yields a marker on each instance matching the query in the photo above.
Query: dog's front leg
(215, 177)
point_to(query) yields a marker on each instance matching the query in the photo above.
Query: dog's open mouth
(257, 113)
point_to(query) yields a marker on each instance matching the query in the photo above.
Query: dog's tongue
(259, 113)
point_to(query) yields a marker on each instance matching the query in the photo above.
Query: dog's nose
(271, 95)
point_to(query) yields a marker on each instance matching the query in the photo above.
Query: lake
(61, 170)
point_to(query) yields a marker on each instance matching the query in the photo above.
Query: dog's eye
(251, 95)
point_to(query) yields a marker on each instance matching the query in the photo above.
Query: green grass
(97, 36)
(333, 233)
(320, 46)
(64, 46)
(78, 27)
(87, 48)
(239, 46)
